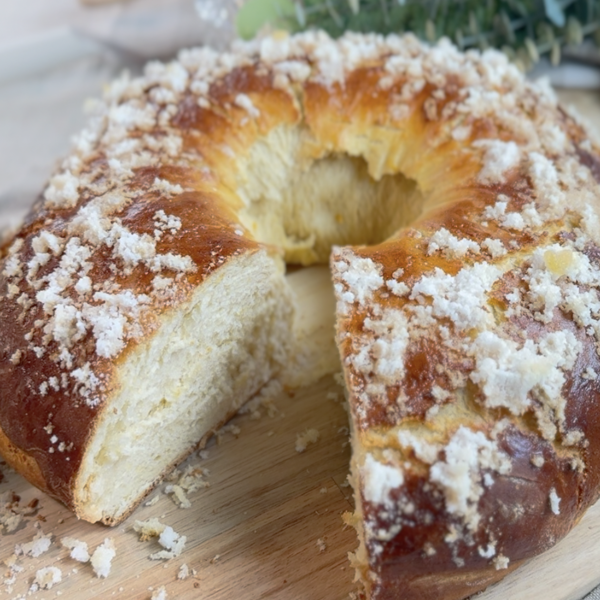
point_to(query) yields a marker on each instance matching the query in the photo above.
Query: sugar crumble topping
(554, 501)
(461, 299)
(460, 473)
(501, 562)
(379, 480)
(244, 101)
(168, 188)
(499, 157)
(362, 277)
(514, 377)
(451, 245)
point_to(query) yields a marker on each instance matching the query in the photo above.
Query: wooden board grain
(270, 524)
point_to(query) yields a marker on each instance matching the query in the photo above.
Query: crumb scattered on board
(303, 440)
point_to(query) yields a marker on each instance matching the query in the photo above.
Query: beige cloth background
(54, 54)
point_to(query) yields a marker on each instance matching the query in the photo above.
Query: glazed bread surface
(144, 299)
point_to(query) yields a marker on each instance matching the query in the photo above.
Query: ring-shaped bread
(143, 300)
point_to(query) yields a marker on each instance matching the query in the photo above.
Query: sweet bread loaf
(143, 300)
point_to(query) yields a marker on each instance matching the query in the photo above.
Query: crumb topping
(499, 157)
(554, 501)
(361, 277)
(379, 481)
(451, 245)
(513, 377)
(460, 474)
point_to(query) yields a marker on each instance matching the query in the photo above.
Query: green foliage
(254, 14)
(524, 29)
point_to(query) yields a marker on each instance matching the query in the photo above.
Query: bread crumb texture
(159, 594)
(303, 440)
(102, 558)
(46, 578)
(79, 549)
(170, 540)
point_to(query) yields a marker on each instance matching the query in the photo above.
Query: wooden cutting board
(270, 524)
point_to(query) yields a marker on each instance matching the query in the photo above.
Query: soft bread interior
(233, 335)
(305, 204)
(209, 356)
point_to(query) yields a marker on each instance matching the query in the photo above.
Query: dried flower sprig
(523, 29)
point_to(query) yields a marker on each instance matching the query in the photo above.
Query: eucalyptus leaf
(524, 29)
(255, 14)
(555, 13)
(354, 6)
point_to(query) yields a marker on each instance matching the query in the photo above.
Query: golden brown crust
(21, 462)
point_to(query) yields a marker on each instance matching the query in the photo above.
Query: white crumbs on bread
(451, 245)
(425, 451)
(398, 288)
(468, 456)
(244, 101)
(545, 179)
(62, 191)
(361, 277)
(494, 247)
(379, 480)
(537, 460)
(554, 499)
(517, 221)
(461, 298)
(381, 348)
(168, 188)
(488, 552)
(511, 376)
(499, 157)
(165, 223)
